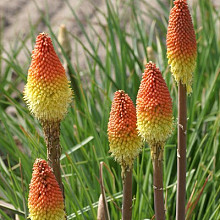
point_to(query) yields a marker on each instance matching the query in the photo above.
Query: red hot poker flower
(181, 44)
(47, 92)
(45, 199)
(154, 107)
(125, 144)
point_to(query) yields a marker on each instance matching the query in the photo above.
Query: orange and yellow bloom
(181, 44)
(125, 144)
(154, 107)
(47, 92)
(45, 201)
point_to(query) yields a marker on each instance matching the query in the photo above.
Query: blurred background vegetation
(104, 60)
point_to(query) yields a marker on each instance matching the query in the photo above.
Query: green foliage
(84, 131)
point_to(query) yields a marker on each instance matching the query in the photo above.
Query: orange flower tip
(154, 107)
(181, 44)
(124, 142)
(45, 199)
(47, 92)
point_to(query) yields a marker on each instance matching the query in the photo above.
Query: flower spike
(47, 92)
(154, 107)
(125, 144)
(45, 201)
(181, 44)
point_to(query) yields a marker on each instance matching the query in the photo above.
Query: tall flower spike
(125, 144)
(45, 199)
(47, 92)
(181, 44)
(154, 107)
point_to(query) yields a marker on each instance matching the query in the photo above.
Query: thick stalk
(52, 139)
(157, 158)
(181, 153)
(127, 196)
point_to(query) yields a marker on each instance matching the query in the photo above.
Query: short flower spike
(125, 144)
(47, 92)
(181, 44)
(64, 40)
(45, 201)
(154, 107)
